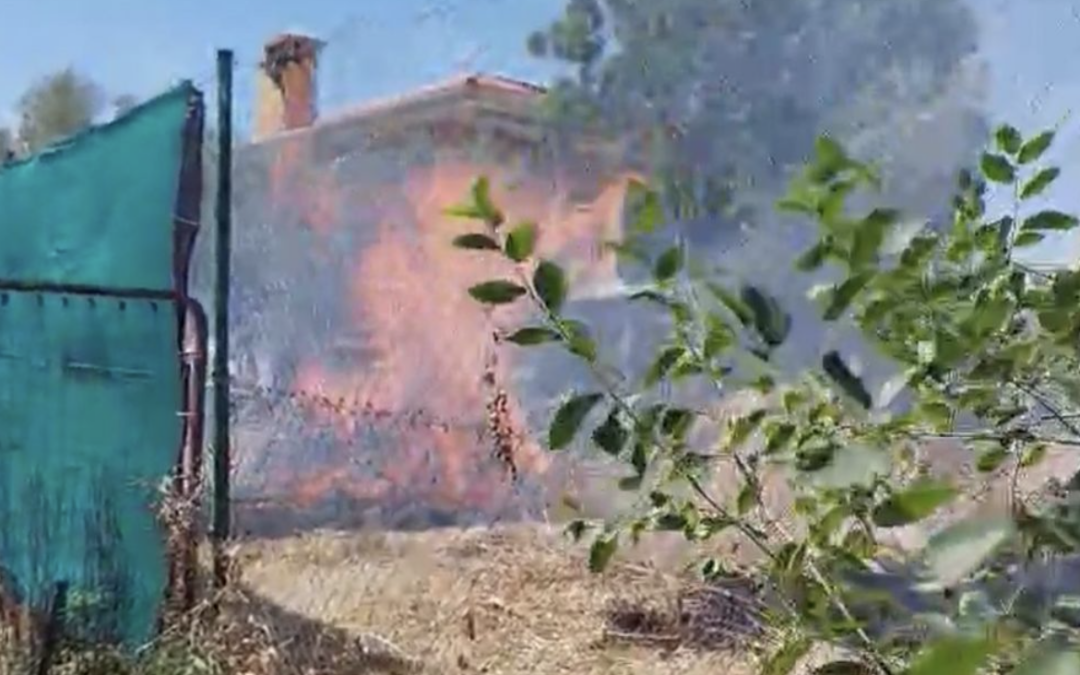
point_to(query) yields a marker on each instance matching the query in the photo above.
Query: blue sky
(378, 47)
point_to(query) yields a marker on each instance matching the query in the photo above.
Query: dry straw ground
(511, 600)
(505, 600)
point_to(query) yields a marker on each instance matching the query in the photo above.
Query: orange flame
(429, 342)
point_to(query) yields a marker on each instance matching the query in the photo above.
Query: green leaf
(793, 400)
(611, 436)
(994, 237)
(677, 422)
(1033, 149)
(952, 656)
(799, 199)
(830, 160)
(1008, 139)
(997, 168)
(991, 458)
(913, 504)
(959, 550)
(1050, 220)
(1004, 227)
(712, 570)
(733, 303)
(629, 251)
(843, 668)
(496, 292)
(639, 457)
(668, 264)
(918, 251)
(1028, 239)
(521, 241)
(1039, 182)
(533, 335)
(777, 437)
(466, 211)
(765, 384)
(991, 315)
(602, 551)
(860, 543)
(815, 257)
(643, 205)
(581, 341)
(746, 500)
(671, 522)
(1048, 658)
(770, 321)
(476, 242)
(848, 381)
(1033, 455)
(659, 499)
(718, 337)
(937, 414)
(830, 523)
(549, 280)
(742, 427)
(481, 194)
(784, 660)
(663, 364)
(568, 419)
(843, 295)
(870, 235)
(684, 369)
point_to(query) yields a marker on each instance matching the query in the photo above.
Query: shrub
(987, 349)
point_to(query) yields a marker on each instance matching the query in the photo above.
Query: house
(363, 368)
(366, 378)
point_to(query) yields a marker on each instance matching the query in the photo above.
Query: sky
(381, 47)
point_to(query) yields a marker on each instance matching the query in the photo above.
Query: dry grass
(519, 599)
(512, 600)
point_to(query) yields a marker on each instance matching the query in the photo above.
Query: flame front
(407, 420)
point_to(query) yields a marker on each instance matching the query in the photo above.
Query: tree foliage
(56, 106)
(733, 92)
(986, 348)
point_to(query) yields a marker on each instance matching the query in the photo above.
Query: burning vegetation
(372, 390)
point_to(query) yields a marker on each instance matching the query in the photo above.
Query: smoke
(365, 375)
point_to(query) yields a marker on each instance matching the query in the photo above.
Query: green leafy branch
(986, 348)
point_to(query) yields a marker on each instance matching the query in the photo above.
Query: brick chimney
(285, 91)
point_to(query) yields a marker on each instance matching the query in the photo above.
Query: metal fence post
(222, 459)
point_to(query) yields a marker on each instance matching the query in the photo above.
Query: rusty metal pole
(223, 252)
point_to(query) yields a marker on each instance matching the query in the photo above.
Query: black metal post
(220, 376)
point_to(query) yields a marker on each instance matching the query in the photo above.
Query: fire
(427, 345)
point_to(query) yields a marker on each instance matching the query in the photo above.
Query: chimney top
(296, 37)
(287, 48)
(286, 98)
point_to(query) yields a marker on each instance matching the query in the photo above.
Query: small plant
(986, 347)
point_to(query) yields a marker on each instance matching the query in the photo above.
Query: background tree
(721, 100)
(722, 94)
(57, 106)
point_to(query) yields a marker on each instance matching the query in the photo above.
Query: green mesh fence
(91, 272)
